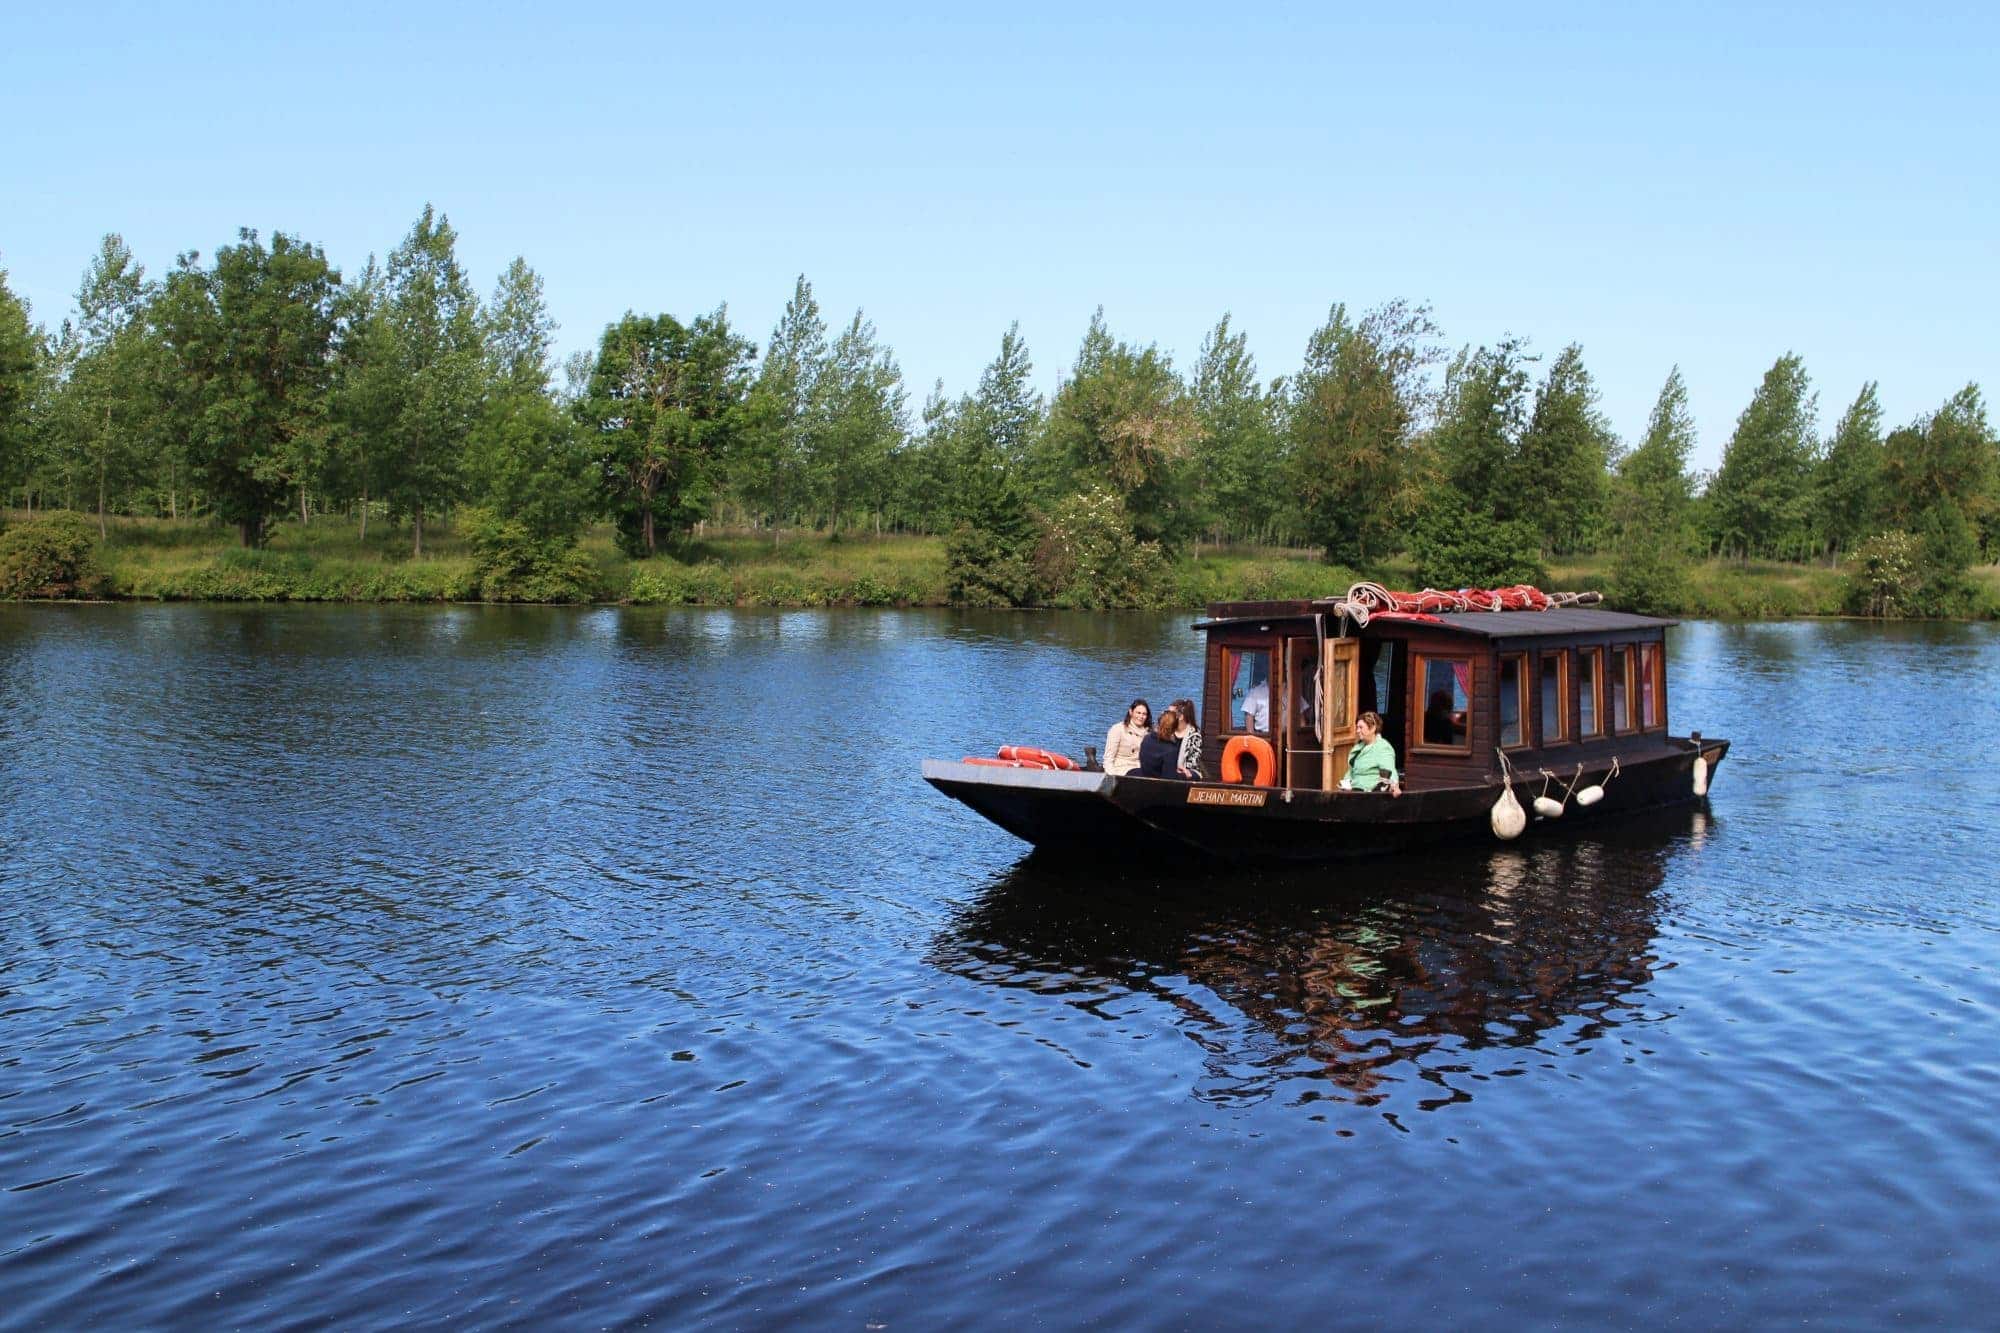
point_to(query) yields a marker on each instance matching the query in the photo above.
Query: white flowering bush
(1089, 559)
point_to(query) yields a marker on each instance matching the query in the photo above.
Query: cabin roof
(1568, 620)
(1558, 620)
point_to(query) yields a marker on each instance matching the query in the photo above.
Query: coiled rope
(1370, 599)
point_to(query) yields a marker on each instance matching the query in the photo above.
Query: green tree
(1478, 438)
(1123, 418)
(1239, 458)
(107, 411)
(1351, 411)
(1939, 478)
(20, 373)
(664, 406)
(989, 552)
(248, 342)
(1565, 451)
(857, 410)
(438, 361)
(365, 393)
(526, 461)
(779, 420)
(1759, 500)
(1847, 478)
(1651, 509)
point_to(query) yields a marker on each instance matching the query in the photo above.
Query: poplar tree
(1847, 479)
(858, 415)
(1124, 419)
(1651, 508)
(1564, 454)
(438, 358)
(779, 418)
(525, 459)
(1351, 414)
(1238, 460)
(1758, 502)
(107, 410)
(20, 370)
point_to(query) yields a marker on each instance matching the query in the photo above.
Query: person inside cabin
(1190, 760)
(1121, 743)
(1442, 726)
(1160, 750)
(1257, 707)
(1371, 764)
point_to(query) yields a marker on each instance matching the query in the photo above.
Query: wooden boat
(1566, 700)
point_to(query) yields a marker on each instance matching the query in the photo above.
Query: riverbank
(330, 560)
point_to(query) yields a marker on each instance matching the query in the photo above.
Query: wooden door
(1342, 691)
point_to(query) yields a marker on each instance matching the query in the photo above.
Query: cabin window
(1513, 699)
(1555, 697)
(1589, 692)
(1446, 686)
(1652, 686)
(1247, 672)
(1618, 684)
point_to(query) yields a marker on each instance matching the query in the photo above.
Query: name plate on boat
(1227, 795)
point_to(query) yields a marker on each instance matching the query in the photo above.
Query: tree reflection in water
(1401, 983)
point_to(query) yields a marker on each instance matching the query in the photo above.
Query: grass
(329, 561)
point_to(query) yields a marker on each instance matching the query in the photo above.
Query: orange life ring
(1257, 748)
(1029, 754)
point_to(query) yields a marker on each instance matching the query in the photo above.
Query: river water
(608, 966)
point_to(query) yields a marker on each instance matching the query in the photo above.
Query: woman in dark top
(1160, 752)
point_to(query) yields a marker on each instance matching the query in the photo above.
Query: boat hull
(1091, 815)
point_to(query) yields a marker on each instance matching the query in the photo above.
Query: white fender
(1590, 795)
(1508, 818)
(1700, 776)
(1548, 808)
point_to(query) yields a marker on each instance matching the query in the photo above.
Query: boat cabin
(1551, 689)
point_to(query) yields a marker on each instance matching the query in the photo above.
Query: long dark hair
(1137, 703)
(1185, 707)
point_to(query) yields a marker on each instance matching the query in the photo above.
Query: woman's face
(1139, 716)
(1366, 730)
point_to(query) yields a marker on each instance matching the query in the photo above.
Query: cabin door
(1342, 685)
(1318, 710)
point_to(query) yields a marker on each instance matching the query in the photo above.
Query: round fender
(1258, 749)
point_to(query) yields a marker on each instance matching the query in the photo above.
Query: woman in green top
(1371, 764)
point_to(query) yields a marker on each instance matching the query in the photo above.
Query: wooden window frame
(1419, 667)
(1228, 726)
(1656, 676)
(1521, 698)
(1565, 698)
(1596, 696)
(1628, 654)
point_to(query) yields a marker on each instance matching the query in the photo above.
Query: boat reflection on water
(1401, 984)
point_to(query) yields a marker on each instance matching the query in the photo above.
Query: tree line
(263, 385)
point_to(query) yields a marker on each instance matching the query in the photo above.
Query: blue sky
(1708, 186)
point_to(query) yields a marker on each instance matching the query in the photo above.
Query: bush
(985, 567)
(53, 555)
(1650, 577)
(515, 566)
(1090, 559)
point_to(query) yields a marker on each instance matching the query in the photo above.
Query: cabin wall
(1596, 750)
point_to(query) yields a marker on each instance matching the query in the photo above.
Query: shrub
(52, 555)
(1089, 558)
(516, 566)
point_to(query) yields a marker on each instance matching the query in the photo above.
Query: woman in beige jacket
(1121, 743)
